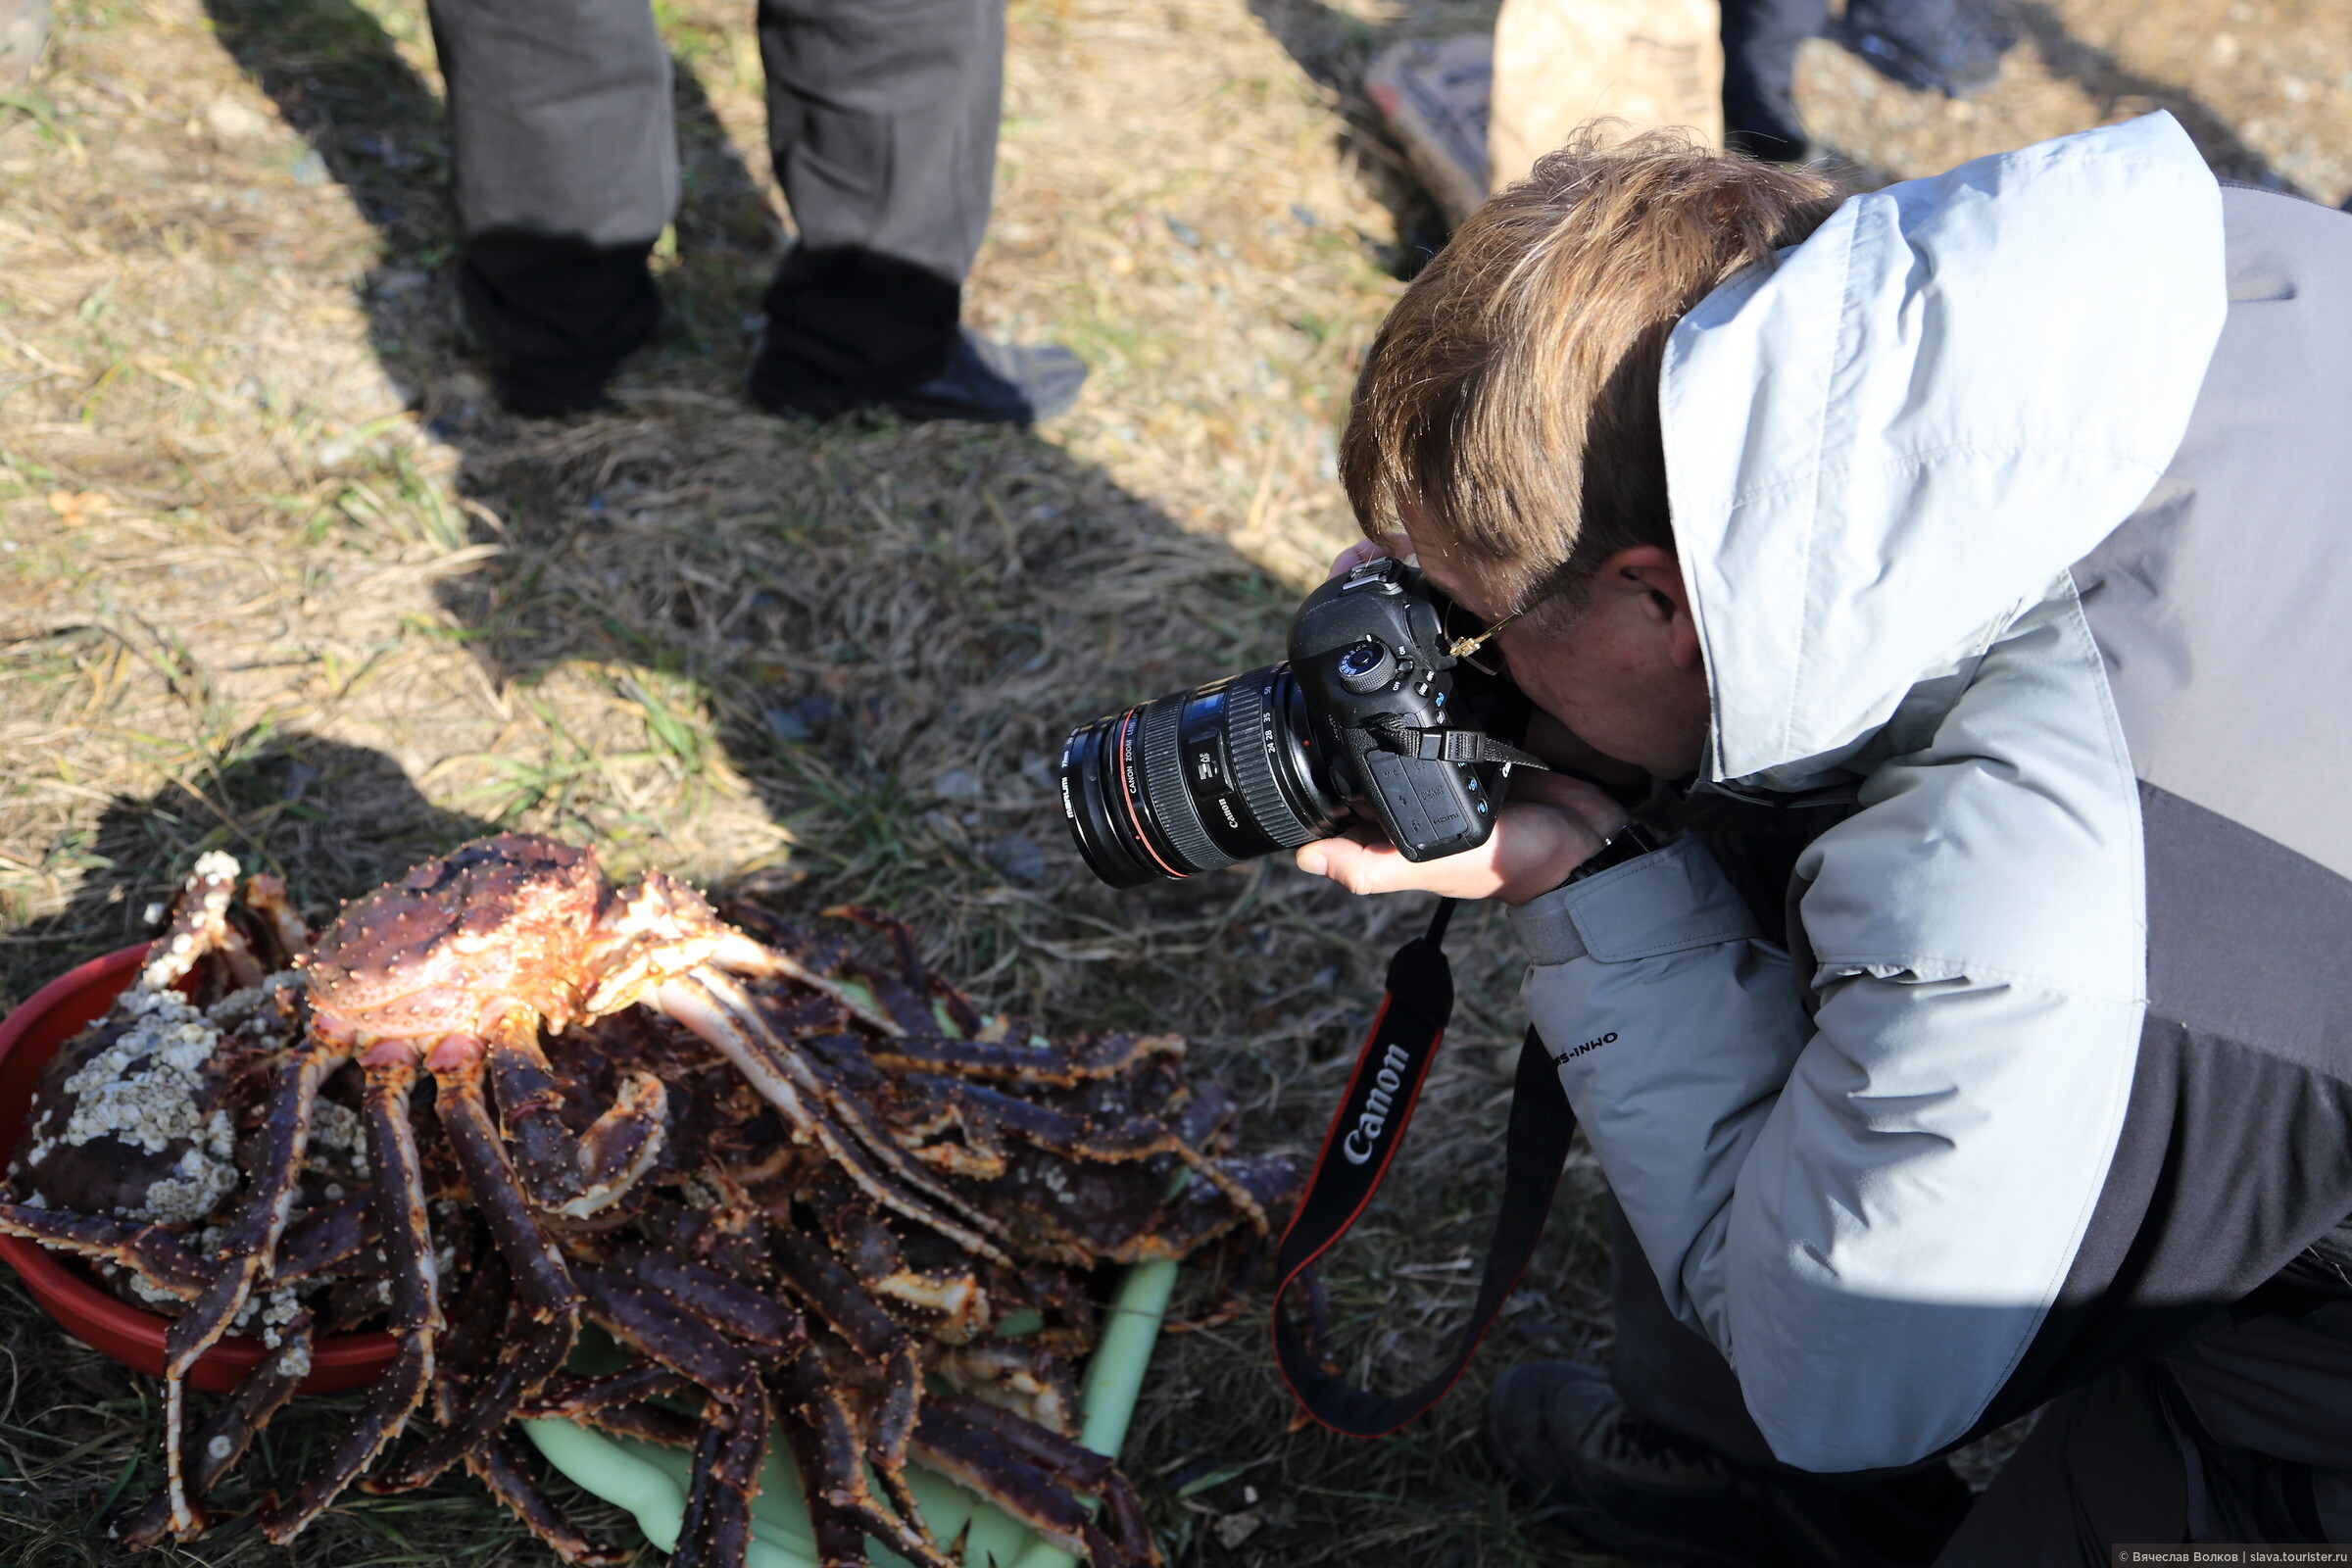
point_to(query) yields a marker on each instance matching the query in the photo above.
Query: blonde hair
(1511, 397)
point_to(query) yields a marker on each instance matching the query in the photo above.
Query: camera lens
(1196, 781)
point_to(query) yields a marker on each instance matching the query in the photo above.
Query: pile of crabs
(500, 1099)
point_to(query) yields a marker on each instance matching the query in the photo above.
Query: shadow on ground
(280, 801)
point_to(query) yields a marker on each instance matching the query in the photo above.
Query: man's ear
(1657, 577)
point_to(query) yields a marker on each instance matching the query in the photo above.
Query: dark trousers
(882, 122)
(1760, 40)
(2245, 1436)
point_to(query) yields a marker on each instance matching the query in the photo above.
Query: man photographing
(1961, 563)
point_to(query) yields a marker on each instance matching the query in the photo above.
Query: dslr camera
(1373, 715)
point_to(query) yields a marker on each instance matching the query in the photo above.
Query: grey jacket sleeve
(1870, 1211)
(1655, 995)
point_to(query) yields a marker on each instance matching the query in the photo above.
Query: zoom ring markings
(1163, 785)
(1251, 736)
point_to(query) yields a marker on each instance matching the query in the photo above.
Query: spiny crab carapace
(799, 1193)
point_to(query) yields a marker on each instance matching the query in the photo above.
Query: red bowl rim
(51, 1276)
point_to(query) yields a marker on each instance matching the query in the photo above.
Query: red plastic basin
(28, 1038)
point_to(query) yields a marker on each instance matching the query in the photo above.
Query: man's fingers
(1357, 868)
(1364, 549)
(1533, 848)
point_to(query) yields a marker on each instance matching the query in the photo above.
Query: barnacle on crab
(500, 1099)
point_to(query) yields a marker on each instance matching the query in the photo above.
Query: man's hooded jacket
(2015, 507)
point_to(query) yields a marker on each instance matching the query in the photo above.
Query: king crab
(856, 1218)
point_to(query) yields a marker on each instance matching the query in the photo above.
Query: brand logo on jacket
(1567, 1056)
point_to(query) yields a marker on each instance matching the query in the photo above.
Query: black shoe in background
(555, 317)
(995, 384)
(848, 328)
(983, 382)
(1953, 47)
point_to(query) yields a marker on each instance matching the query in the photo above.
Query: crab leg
(1059, 1132)
(564, 1175)
(1027, 1371)
(734, 1439)
(266, 896)
(837, 1478)
(153, 1252)
(416, 1317)
(545, 1298)
(230, 1430)
(716, 1529)
(740, 955)
(1072, 1463)
(1048, 1066)
(873, 1252)
(656, 1328)
(840, 1539)
(619, 1403)
(818, 1278)
(921, 986)
(251, 1239)
(648, 1423)
(324, 1237)
(200, 925)
(712, 1005)
(470, 1340)
(498, 1464)
(568, 1396)
(958, 1439)
(725, 1304)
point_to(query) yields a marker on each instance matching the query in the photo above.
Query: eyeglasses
(1464, 647)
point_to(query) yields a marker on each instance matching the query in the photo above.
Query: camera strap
(1357, 1153)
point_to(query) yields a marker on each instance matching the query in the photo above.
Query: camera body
(1370, 715)
(1369, 654)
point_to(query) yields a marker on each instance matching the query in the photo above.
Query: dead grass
(279, 579)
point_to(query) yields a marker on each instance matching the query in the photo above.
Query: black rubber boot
(1559, 1432)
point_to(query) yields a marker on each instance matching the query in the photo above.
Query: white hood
(1885, 447)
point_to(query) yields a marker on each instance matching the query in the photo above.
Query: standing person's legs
(1760, 40)
(565, 164)
(882, 116)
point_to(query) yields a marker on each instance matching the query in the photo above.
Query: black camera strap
(1356, 1151)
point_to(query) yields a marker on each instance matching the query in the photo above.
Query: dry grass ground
(279, 578)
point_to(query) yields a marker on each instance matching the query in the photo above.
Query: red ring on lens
(1127, 725)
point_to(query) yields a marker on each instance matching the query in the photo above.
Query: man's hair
(1511, 397)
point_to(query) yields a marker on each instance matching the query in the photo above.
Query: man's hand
(1551, 826)
(1364, 549)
